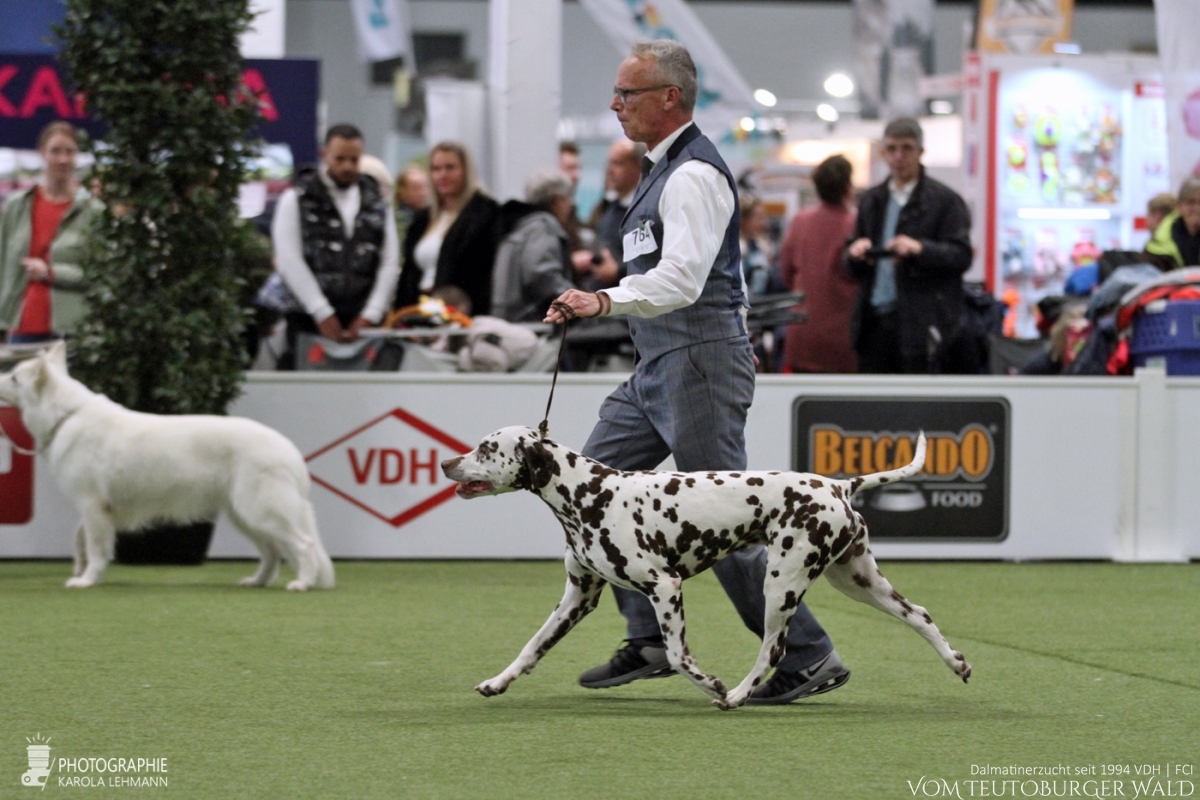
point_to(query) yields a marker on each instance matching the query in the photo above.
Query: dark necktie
(647, 165)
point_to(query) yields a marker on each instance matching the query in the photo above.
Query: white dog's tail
(876, 478)
(323, 566)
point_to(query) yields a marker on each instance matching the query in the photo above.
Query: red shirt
(811, 262)
(47, 216)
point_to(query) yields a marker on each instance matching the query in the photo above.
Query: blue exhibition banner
(34, 93)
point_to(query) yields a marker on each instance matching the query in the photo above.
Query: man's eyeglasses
(623, 95)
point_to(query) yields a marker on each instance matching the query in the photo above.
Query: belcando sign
(962, 492)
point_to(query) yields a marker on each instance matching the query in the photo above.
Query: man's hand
(356, 328)
(905, 246)
(858, 248)
(331, 328)
(36, 269)
(582, 261)
(584, 304)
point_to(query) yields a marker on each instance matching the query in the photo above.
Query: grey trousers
(692, 403)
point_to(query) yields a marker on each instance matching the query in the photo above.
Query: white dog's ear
(57, 354)
(40, 375)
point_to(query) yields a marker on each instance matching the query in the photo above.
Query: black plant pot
(184, 545)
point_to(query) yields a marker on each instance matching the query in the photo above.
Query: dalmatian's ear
(537, 463)
(523, 479)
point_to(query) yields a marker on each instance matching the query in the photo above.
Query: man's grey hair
(1189, 188)
(674, 67)
(546, 184)
(905, 128)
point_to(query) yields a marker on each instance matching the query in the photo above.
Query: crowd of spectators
(880, 274)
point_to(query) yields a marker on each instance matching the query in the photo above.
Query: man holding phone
(910, 248)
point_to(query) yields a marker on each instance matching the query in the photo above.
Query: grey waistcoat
(716, 313)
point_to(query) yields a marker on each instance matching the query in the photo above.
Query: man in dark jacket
(910, 248)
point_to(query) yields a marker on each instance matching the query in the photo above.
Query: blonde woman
(454, 242)
(43, 236)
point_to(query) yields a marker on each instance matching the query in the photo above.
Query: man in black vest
(335, 243)
(694, 381)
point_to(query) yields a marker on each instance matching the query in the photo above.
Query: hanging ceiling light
(827, 112)
(764, 98)
(839, 85)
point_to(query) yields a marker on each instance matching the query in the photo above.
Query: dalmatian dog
(649, 531)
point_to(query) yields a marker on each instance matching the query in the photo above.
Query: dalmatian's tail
(876, 478)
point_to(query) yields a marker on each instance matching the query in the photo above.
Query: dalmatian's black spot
(754, 481)
(657, 504)
(752, 500)
(862, 581)
(672, 487)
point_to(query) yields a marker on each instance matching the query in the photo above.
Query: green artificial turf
(366, 691)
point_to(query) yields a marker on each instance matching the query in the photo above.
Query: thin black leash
(568, 314)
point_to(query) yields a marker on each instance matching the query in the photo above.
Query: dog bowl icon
(899, 497)
(39, 765)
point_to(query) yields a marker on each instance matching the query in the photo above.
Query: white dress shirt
(289, 253)
(901, 192)
(696, 207)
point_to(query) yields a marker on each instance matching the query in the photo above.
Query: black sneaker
(784, 687)
(639, 658)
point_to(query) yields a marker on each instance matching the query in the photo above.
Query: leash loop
(568, 314)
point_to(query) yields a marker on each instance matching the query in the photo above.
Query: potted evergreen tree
(163, 329)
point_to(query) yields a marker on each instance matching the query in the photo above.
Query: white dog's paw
(252, 581)
(79, 583)
(493, 687)
(298, 586)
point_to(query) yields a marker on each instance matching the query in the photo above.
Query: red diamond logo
(16, 469)
(389, 467)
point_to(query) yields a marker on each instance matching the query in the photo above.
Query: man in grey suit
(694, 380)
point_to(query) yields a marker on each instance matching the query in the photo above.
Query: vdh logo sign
(389, 467)
(39, 762)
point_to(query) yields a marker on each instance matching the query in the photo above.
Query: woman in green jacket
(43, 235)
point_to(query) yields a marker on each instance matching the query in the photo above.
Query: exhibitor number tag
(639, 241)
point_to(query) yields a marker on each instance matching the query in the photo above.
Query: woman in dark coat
(454, 242)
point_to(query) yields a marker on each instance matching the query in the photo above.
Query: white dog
(125, 470)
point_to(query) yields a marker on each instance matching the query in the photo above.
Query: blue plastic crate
(1168, 332)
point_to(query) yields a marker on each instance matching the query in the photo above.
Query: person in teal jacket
(44, 232)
